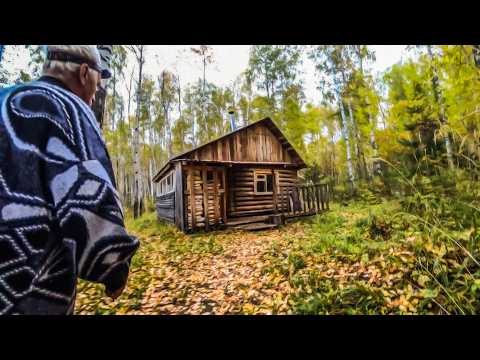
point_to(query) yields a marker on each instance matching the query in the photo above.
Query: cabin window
(264, 183)
(166, 185)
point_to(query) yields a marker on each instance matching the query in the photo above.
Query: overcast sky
(230, 61)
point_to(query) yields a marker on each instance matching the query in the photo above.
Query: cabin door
(205, 197)
(213, 187)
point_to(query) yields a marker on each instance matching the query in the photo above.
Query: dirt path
(229, 282)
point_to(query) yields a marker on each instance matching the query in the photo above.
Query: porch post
(179, 197)
(275, 191)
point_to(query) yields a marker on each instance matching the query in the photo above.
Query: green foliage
(407, 213)
(274, 68)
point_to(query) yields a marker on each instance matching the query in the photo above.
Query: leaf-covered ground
(355, 259)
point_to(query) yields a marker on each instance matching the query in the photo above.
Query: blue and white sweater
(60, 214)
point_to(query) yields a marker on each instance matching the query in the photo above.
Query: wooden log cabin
(245, 179)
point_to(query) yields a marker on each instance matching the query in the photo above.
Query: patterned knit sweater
(60, 213)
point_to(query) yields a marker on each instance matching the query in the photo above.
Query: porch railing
(304, 200)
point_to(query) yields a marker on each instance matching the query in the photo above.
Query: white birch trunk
(346, 137)
(138, 191)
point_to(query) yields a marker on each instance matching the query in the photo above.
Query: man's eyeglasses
(66, 57)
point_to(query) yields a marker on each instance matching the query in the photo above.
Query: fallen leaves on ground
(328, 264)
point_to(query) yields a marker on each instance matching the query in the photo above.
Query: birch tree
(205, 53)
(168, 93)
(439, 101)
(331, 63)
(138, 206)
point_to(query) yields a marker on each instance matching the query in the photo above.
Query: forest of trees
(401, 148)
(419, 117)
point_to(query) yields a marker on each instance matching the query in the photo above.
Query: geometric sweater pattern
(60, 213)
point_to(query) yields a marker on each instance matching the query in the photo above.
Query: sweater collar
(53, 81)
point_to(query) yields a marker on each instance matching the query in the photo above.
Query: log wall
(243, 200)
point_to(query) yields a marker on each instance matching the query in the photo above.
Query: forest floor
(351, 260)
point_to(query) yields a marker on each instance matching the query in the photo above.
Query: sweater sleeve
(78, 183)
(91, 215)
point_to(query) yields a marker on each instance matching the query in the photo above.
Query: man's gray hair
(89, 52)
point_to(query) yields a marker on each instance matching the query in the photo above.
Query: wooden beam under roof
(229, 163)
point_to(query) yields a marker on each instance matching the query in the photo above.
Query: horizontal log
(263, 171)
(258, 202)
(197, 202)
(286, 171)
(242, 183)
(244, 188)
(253, 207)
(253, 199)
(197, 214)
(240, 213)
(246, 193)
(253, 196)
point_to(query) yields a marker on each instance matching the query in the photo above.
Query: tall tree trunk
(138, 191)
(334, 160)
(179, 91)
(129, 89)
(362, 165)
(169, 135)
(150, 176)
(346, 137)
(377, 167)
(439, 101)
(114, 98)
(248, 111)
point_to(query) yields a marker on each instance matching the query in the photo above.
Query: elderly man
(60, 214)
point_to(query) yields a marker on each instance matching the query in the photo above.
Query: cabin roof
(266, 121)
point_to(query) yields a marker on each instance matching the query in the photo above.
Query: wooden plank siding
(165, 206)
(256, 143)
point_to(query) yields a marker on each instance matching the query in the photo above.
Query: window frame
(163, 188)
(265, 181)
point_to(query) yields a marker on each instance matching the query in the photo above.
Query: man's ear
(83, 73)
